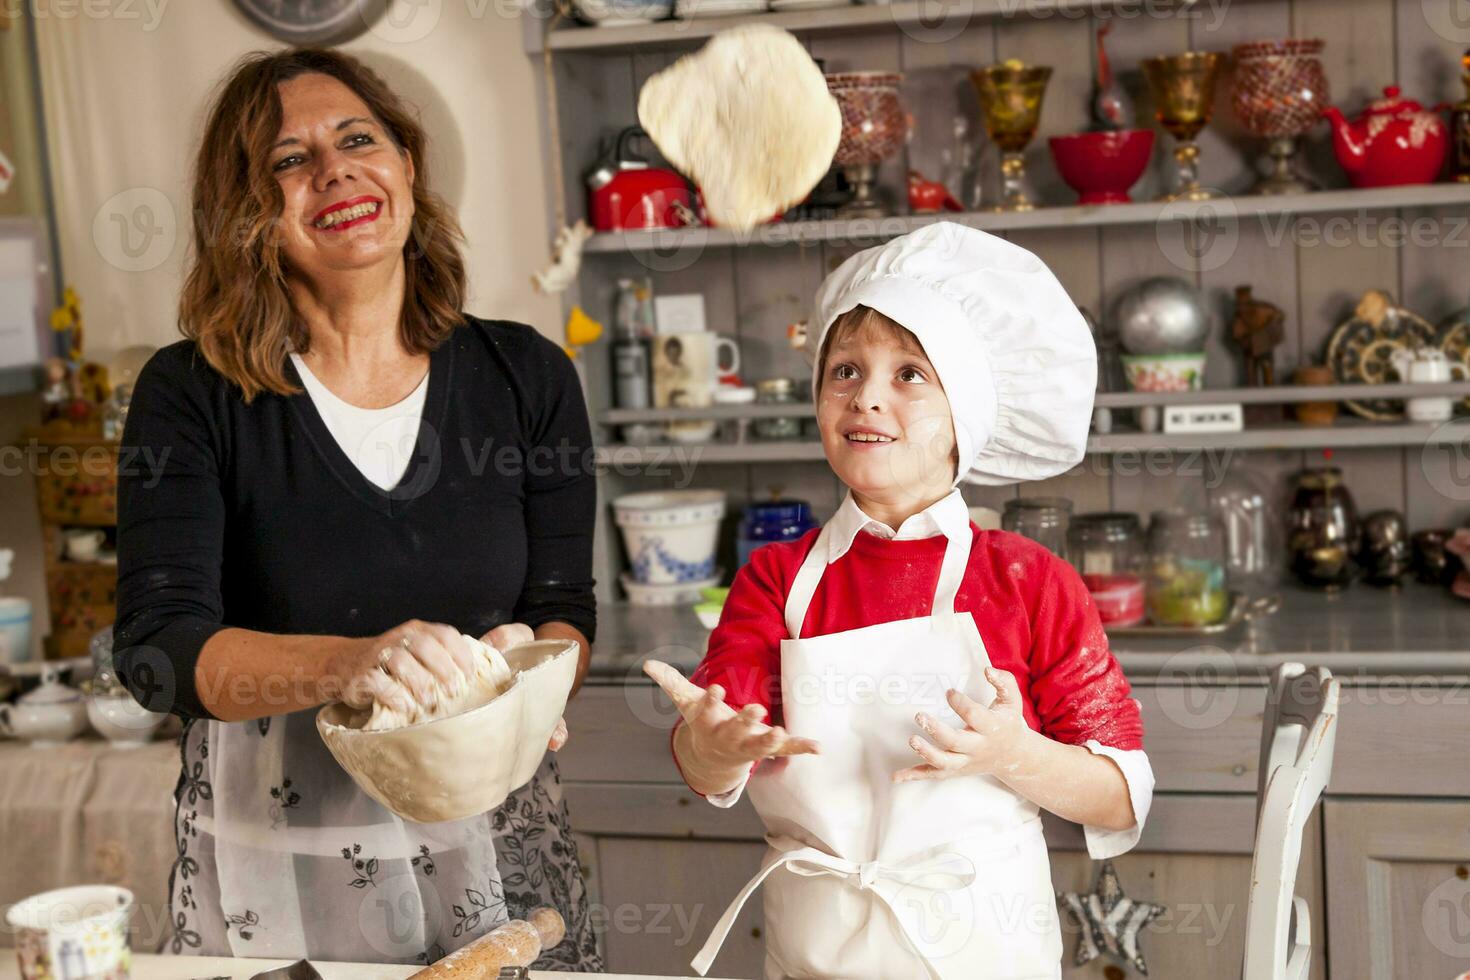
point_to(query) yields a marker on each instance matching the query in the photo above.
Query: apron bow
(943, 871)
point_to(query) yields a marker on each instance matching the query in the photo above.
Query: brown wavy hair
(235, 305)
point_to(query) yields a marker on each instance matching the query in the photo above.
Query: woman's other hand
(411, 664)
(503, 638)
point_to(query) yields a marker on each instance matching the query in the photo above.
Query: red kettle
(624, 192)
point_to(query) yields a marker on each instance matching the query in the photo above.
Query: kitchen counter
(1416, 630)
(149, 967)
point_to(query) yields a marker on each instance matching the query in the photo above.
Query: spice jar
(1186, 569)
(777, 391)
(1042, 519)
(1323, 532)
(1107, 550)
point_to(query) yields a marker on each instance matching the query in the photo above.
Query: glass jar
(1186, 569)
(1252, 526)
(1107, 550)
(775, 520)
(1324, 534)
(1042, 519)
(777, 391)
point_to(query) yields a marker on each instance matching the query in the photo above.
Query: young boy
(902, 692)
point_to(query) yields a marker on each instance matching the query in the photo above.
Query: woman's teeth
(347, 214)
(867, 437)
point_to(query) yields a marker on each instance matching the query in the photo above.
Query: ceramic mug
(1428, 366)
(83, 545)
(686, 371)
(76, 933)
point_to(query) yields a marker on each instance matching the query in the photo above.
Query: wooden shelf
(870, 231)
(1347, 434)
(832, 20)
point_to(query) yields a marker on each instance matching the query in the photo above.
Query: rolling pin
(517, 943)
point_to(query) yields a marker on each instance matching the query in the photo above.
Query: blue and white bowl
(670, 535)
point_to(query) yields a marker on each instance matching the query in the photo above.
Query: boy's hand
(721, 737)
(991, 740)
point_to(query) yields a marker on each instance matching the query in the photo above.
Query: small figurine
(92, 383)
(1109, 105)
(1257, 328)
(929, 196)
(57, 390)
(1385, 556)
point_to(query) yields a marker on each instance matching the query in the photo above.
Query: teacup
(1427, 366)
(76, 933)
(83, 545)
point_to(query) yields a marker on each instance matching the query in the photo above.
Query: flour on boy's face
(884, 417)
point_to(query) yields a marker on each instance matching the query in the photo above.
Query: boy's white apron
(867, 878)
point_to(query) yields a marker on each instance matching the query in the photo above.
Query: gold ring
(385, 655)
(403, 642)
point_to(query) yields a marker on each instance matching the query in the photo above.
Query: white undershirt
(379, 441)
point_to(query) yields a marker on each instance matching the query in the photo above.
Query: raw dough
(492, 676)
(749, 118)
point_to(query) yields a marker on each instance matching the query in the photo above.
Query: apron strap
(805, 584)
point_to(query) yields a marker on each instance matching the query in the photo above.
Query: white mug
(686, 370)
(83, 545)
(1427, 366)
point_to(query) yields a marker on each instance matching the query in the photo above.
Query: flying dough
(492, 676)
(749, 118)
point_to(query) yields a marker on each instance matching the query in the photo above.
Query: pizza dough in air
(492, 676)
(748, 117)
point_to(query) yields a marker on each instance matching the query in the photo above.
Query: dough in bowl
(748, 117)
(492, 676)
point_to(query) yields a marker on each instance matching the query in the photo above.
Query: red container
(1119, 598)
(1101, 167)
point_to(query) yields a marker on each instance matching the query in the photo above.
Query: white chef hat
(1015, 356)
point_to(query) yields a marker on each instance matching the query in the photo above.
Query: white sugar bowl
(120, 719)
(51, 714)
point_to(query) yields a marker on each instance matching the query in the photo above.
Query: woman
(350, 473)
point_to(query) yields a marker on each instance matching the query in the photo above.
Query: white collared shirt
(948, 516)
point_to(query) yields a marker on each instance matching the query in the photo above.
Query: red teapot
(929, 196)
(624, 192)
(1394, 141)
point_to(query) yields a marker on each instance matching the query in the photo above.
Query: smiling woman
(315, 530)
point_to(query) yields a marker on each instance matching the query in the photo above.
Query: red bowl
(1101, 167)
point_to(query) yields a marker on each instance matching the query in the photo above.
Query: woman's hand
(503, 638)
(413, 663)
(722, 742)
(990, 741)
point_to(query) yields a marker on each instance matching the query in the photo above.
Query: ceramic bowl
(1164, 372)
(1101, 167)
(73, 933)
(44, 725)
(121, 720)
(671, 594)
(468, 764)
(670, 535)
(621, 13)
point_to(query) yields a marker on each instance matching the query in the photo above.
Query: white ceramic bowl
(670, 534)
(622, 13)
(1164, 372)
(122, 720)
(468, 764)
(674, 594)
(73, 932)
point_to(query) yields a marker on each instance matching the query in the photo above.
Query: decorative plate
(313, 21)
(1361, 350)
(1454, 340)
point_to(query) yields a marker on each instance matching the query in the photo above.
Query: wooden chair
(1297, 738)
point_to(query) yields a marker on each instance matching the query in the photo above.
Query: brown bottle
(1460, 128)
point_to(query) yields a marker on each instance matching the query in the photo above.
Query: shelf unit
(755, 284)
(870, 231)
